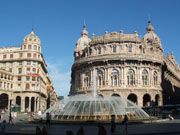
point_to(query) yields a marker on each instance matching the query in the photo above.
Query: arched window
(99, 78)
(90, 51)
(130, 48)
(86, 80)
(34, 47)
(99, 50)
(130, 77)
(114, 49)
(155, 77)
(115, 77)
(29, 47)
(145, 77)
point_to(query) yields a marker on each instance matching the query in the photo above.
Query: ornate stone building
(126, 66)
(24, 79)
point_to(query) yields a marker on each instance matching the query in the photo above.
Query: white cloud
(61, 79)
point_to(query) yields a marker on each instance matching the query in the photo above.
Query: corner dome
(32, 37)
(150, 37)
(83, 41)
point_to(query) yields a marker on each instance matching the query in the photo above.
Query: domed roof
(150, 35)
(83, 41)
(31, 37)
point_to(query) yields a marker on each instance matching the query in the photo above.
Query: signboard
(33, 74)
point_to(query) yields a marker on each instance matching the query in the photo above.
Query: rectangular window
(19, 78)
(20, 70)
(20, 55)
(11, 85)
(3, 64)
(33, 86)
(29, 47)
(11, 55)
(33, 78)
(28, 70)
(27, 86)
(20, 63)
(34, 63)
(33, 70)
(34, 55)
(4, 85)
(4, 56)
(24, 46)
(27, 78)
(11, 63)
(29, 55)
(0, 84)
(34, 47)
(10, 69)
(28, 62)
(19, 86)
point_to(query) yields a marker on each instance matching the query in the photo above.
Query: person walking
(80, 131)
(113, 125)
(0, 117)
(44, 131)
(3, 127)
(38, 130)
(101, 130)
(125, 122)
(48, 119)
(10, 119)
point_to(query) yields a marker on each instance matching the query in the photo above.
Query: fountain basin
(94, 108)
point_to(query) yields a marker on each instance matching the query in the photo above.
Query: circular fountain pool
(88, 108)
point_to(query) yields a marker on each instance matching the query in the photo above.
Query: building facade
(24, 79)
(125, 66)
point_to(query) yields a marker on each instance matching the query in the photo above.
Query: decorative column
(91, 72)
(106, 76)
(123, 75)
(23, 105)
(29, 108)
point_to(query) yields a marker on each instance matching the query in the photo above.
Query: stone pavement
(154, 128)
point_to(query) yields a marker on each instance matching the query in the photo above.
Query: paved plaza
(23, 127)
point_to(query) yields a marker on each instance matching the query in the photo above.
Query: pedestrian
(10, 119)
(125, 122)
(80, 131)
(113, 124)
(101, 130)
(69, 132)
(48, 119)
(44, 131)
(38, 130)
(0, 117)
(3, 127)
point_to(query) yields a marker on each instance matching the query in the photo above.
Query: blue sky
(58, 24)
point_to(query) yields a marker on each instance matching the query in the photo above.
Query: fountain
(88, 108)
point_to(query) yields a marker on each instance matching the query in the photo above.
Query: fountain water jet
(82, 107)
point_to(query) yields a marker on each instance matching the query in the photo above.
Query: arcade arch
(133, 98)
(146, 100)
(4, 98)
